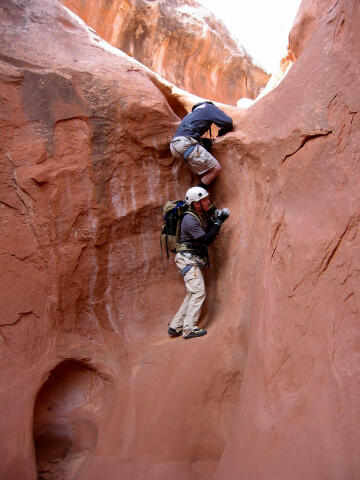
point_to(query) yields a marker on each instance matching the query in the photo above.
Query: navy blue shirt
(200, 120)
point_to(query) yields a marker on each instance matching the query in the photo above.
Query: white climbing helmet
(194, 194)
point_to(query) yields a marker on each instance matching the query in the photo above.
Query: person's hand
(221, 215)
(224, 214)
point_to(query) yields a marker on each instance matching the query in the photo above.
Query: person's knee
(209, 176)
(200, 294)
(217, 168)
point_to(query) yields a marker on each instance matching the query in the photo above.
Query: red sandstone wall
(307, 18)
(297, 266)
(89, 376)
(179, 40)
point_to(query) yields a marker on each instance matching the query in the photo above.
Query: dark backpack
(173, 212)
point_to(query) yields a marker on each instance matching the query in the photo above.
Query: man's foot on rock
(198, 332)
(173, 333)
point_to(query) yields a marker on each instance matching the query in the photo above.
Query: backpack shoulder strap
(198, 217)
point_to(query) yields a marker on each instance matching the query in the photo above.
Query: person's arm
(211, 234)
(208, 237)
(223, 121)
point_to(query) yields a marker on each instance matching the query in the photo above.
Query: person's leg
(204, 164)
(211, 174)
(195, 286)
(178, 320)
(193, 312)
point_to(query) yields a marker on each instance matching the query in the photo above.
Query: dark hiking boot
(173, 333)
(198, 332)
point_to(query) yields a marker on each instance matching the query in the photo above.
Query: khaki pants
(200, 160)
(188, 314)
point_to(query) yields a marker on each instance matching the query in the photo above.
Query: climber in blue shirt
(186, 143)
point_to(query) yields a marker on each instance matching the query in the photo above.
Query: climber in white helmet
(197, 233)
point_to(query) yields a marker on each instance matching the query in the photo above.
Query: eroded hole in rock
(65, 422)
(174, 102)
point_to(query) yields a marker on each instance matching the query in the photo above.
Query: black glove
(221, 216)
(221, 132)
(211, 213)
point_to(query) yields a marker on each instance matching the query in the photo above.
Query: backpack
(173, 212)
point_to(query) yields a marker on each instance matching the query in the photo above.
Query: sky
(261, 26)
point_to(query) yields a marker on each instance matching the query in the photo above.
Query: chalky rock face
(92, 387)
(181, 41)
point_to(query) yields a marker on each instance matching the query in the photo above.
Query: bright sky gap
(260, 26)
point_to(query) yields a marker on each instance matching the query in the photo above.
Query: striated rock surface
(181, 41)
(92, 387)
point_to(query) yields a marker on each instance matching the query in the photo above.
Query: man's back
(201, 118)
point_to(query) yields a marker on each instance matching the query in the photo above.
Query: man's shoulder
(191, 222)
(191, 218)
(191, 226)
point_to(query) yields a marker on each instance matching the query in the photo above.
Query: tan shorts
(200, 160)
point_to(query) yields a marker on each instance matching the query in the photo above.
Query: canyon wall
(92, 386)
(298, 263)
(181, 41)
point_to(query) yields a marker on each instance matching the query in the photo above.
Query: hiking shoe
(173, 333)
(198, 332)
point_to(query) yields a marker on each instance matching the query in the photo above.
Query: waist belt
(199, 251)
(186, 133)
(188, 152)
